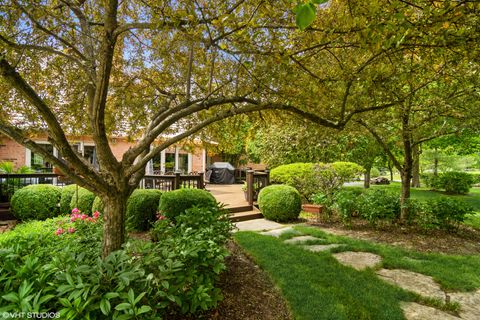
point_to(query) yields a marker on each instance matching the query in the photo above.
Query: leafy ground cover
(316, 286)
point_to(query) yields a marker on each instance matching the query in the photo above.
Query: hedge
(37, 202)
(176, 202)
(142, 208)
(280, 203)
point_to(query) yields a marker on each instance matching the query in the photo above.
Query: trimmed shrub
(176, 202)
(141, 209)
(286, 174)
(456, 182)
(85, 200)
(97, 205)
(37, 202)
(379, 205)
(443, 213)
(280, 203)
(66, 198)
(347, 171)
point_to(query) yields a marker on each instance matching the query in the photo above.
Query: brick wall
(12, 151)
(197, 160)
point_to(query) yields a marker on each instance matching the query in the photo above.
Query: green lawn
(316, 286)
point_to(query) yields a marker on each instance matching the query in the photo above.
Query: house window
(38, 162)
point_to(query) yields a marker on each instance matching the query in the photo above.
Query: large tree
(143, 69)
(150, 68)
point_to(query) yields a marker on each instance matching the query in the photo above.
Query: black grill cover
(222, 173)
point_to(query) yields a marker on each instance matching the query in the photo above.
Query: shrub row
(62, 272)
(45, 201)
(452, 182)
(379, 205)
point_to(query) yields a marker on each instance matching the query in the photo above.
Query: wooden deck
(233, 197)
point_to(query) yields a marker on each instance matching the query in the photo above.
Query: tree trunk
(405, 196)
(390, 168)
(435, 163)
(115, 206)
(406, 172)
(416, 167)
(366, 182)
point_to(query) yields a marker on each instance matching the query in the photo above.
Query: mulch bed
(248, 292)
(464, 240)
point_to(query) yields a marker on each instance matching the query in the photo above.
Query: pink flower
(71, 230)
(83, 216)
(59, 231)
(161, 217)
(96, 214)
(75, 210)
(90, 219)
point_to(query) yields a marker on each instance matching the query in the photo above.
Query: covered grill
(222, 173)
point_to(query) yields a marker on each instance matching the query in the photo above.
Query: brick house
(175, 158)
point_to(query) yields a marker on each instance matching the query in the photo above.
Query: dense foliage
(442, 213)
(377, 205)
(280, 203)
(452, 182)
(176, 202)
(62, 271)
(311, 178)
(66, 198)
(142, 207)
(83, 200)
(97, 205)
(36, 202)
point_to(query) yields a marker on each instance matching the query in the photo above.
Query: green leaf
(144, 309)
(319, 1)
(12, 297)
(105, 306)
(305, 16)
(123, 306)
(110, 295)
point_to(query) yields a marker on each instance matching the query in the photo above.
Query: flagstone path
(418, 283)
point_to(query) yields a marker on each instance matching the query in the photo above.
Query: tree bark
(406, 172)
(366, 181)
(416, 167)
(115, 206)
(390, 168)
(435, 163)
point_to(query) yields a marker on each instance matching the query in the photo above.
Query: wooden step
(4, 205)
(239, 209)
(245, 216)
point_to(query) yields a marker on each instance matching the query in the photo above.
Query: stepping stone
(322, 247)
(358, 260)
(258, 225)
(469, 304)
(415, 311)
(301, 239)
(412, 281)
(278, 232)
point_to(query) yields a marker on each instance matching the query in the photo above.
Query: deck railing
(256, 181)
(9, 183)
(173, 182)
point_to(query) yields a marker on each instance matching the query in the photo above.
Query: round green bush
(141, 209)
(66, 198)
(85, 200)
(280, 203)
(97, 205)
(174, 203)
(37, 202)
